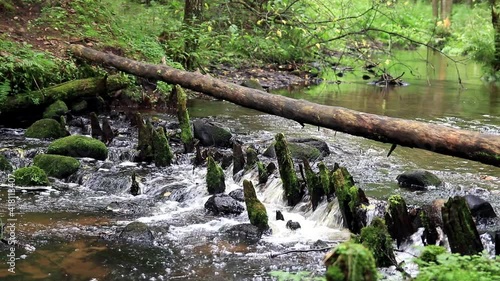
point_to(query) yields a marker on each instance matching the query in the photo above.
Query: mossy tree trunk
(291, 185)
(238, 158)
(193, 16)
(496, 27)
(397, 219)
(215, 177)
(183, 117)
(314, 184)
(476, 146)
(256, 210)
(460, 228)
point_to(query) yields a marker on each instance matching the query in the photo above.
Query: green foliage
(30, 176)
(454, 267)
(295, 276)
(351, 261)
(4, 164)
(376, 238)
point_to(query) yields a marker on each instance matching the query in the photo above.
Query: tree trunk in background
(476, 146)
(193, 15)
(496, 27)
(435, 8)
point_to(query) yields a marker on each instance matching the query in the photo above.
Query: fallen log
(80, 88)
(471, 145)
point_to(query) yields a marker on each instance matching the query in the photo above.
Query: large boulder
(245, 231)
(418, 179)
(5, 164)
(479, 207)
(223, 204)
(138, 232)
(45, 129)
(55, 110)
(30, 176)
(210, 134)
(79, 146)
(56, 165)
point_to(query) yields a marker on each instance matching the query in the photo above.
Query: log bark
(475, 146)
(81, 88)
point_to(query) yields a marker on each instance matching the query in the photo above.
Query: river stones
(55, 110)
(238, 195)
(30, 176)
(245, 231)
(79, 146)
(300, 148)
(56, 165)
(223, 204)
(418, 179)
(138, 232)
(5, 164)
(45, 129)
(479, 207)
(293, 225)
(211, 134)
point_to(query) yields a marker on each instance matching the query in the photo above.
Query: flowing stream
(69, 229)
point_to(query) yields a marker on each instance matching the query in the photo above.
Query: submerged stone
(138, 232)
(56, 165)
(30, 176)
(215, 177)
(79, 146)
(418, 179)
(210, 134)
(256, 210)
(350, 261)
(45, 129)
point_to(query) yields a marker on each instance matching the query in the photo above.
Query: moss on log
(397, 219)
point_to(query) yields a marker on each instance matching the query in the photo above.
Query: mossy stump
(430, 253)
(134, 188)
(252, 158)
(45, 129)
(30, 176)
(314, 184)
(162, 154)
(291, 185)
(351, 200)
(108, 133)
(58, 166)
(376, 238)
(350, 262)
(95, 127)
(430, 235)
(55, 110)
(79, 146)
(215, 177)
(397, 219)
(187, 137)
(238, 158)
(144, 140)
(256, 210)
(460, 228)
(263, 175)
(5, 164)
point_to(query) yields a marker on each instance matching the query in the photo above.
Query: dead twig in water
(300, 251)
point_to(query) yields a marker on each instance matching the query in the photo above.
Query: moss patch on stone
(45, 129)
(256, 210)
(187, 137)
(55, 110)
(215, 177)
(291, 185)
(5, 164)
(351, 261)
(161, 149)
(58, 166)
(30, 176)
(79, 146)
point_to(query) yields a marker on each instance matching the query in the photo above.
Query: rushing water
(69, 228)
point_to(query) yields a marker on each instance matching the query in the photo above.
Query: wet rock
(162, 153)
(138, 232)
(293, 225)
(497, 243)
(223, 204)
(210, 134)
(30, 176)
(215, 177)
(245, 231)
(252, 158)
(55, 110)
(238, 158)
(134, 188)
(79, 146)
(56, 165)
(263, 175)
(308, 148)
(479, 207)
(95, 127)
(45, 129)
(256, 210)
(108, 133)
(183, 117)
(238, 194)
(314, 185)
(418, 179)
(5, 164)
(279, 216)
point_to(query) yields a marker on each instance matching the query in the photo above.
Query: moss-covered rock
(187, 137)
(314, 185)
(291, 185)
(252, 158)
(215, 177)
(55, 110)
(238, 158)
(263, 175)
(297, 151)
(30, 176)
(324, 175)
(45, 129)
(79, 146)
(256, 210)
(144, 139)
(56, 165)
(398, 220)
(211, 134)
(5, 164)
(376, 238)
(418, 179)
(161, 149)
(350, 261)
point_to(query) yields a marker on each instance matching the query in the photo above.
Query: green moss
(161, 149)
(376, 238)
(215, 177)
(29, 176)
(56, 165)
(45, 129)
(314, 185)
(256, 210)
(144, 139)
(252, 158)
(293, 192)
(55, 110)
(324, 178)
(351, 261)
(183, 117)
(429, 254)
(263, 176)
(79, 146)
(4, 164)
